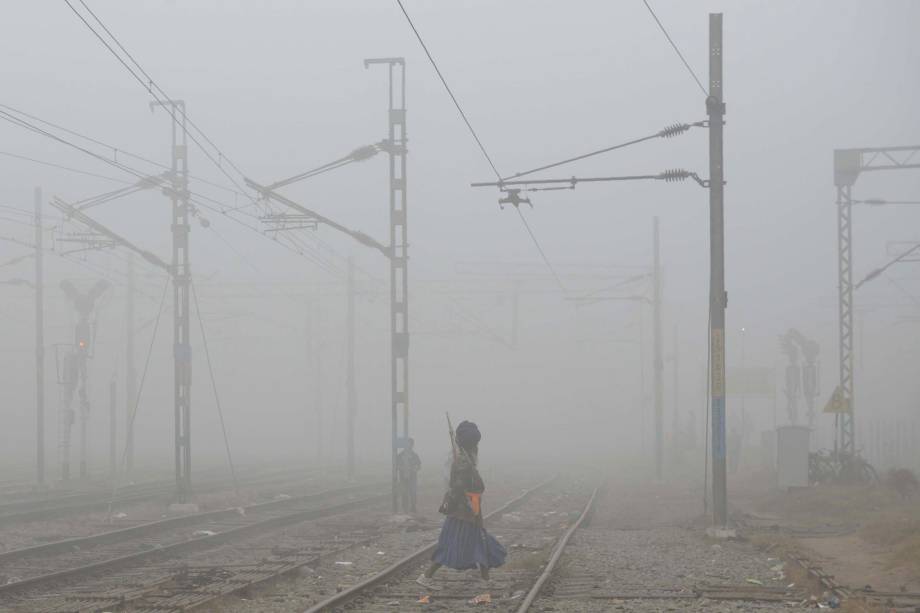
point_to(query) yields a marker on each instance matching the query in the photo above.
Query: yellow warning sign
(837, 403)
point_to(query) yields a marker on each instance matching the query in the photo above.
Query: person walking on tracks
(464, 543)
(407, 466)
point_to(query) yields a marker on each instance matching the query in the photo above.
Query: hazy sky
(280, 87)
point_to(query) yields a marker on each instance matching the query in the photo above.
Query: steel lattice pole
(181, 276)
(846, 434)
(399, 259)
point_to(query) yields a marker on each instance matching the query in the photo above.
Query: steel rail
(413, 558)
(114, 536)
(557, 555)
(209, 595)
(46, 508)
(194, 543)
(28, 492)
(11, 508)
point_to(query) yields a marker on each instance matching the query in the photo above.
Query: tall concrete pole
(351, 390)
(130, 372)
(657, 359)
(715, 107)
(39, 343)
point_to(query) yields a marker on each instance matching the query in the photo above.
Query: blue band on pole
(718, 428)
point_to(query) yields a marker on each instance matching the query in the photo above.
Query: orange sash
(475, 499)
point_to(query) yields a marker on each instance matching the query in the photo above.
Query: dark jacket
(408, 463)
(464, 477)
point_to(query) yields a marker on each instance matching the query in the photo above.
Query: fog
(280, 87)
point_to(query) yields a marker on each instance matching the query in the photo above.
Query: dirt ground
(856, 563)
(865, 535)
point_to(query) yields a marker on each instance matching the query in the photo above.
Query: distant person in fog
(407, 466)
(464, 543)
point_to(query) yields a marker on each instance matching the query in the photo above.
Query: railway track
(542, 529)
(350, 559)
(203, 577)
(638, 556)
(16, 493)
(636, 565)
(40, 567)
(50, 507)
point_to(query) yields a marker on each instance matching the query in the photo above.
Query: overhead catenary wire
(62, 167)
(16, 241)
(247, 261)
(540, 249)
(222, 211)
(21, 222)
(676, 49)
(449, 91)
(6, 209)
(156, 92)
(41, 131)
(140, 175)
(98, 269)
(150, 85)
(478, 140)
(116, 151)
(627, 281)
(239, 254)
(17, 210)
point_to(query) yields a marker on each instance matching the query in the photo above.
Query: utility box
(792, 445)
